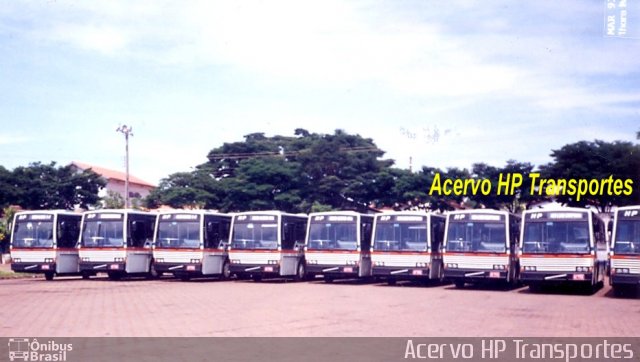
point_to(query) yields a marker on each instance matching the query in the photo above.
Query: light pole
(126, 131)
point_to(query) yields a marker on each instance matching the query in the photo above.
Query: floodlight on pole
(126, 131)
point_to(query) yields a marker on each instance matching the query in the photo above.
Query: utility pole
(126, 131)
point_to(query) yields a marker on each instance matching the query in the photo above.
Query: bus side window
(301, 231)
(225, 230)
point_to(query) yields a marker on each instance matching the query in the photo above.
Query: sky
(443, 84)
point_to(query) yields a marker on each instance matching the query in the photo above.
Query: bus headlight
(379, 263)
(422, 265)
(451, 265)
(500, 267)
(118, 260)
(160, 260)
(529, 268)
(17, 260)
(48, 260)
(272, 262)
(312, 262)
(194, 261)
(235, 261)
(352, 262)
(84, 259)
(583, 268)
(621, 270)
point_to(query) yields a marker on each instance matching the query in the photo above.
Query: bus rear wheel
(49, 275)
(226, 271)
(114, 276)
(301, 273)
(459, 284)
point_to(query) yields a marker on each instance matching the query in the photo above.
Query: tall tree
(596, 160)
(41, 186)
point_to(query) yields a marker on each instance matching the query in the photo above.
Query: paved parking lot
(168, 307)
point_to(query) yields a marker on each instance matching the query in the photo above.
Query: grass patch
(12, 275)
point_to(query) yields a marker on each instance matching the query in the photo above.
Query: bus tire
(459, 284)
(256, 278)
(301, 272)
(153, 274)
(226, 271)
(86, 275)
(185, 277)
(49, 275)
(391, 281)
(328, 279)
(114, 276)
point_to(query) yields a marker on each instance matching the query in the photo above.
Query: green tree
(596, 160)
(40, 186)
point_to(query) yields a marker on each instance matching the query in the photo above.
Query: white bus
(268, 244)
(339, 245)
(481, 246)
(45, 242)
(192, 243)
(407, 246)
(563, 245)
(625, 250)
(117, 242)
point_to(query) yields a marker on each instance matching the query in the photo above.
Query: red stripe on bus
(475, 254)
(614, 256)
(35, 249)
(588, 256)
(334, 252)
(400, 253)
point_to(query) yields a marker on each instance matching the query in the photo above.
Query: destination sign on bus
(340, 218)
(187, 217)
(557, 215)
(109, 216)
(35, 217)
(486, 217)
(263, 218)
(402, 218)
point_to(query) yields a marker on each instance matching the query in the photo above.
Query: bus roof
(268, 212)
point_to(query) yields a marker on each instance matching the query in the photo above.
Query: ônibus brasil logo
(25, 349)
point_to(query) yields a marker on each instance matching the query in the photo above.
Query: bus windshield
(400, 236)
(33, 234)
(333, 236)
(627, 240)
(556, 237)
(102, 234)
(178, 234)
(255, 235)
(477, 236)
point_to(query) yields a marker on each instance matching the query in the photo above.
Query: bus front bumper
(349, 271)
(476, 275)
(252, 269)
(536, 277)
(624, 279)
(37, 267)
(183, 268)
(398, 272)
(96, 266)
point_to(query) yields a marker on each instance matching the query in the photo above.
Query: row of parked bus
(544, 246)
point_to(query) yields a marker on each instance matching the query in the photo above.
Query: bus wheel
(185, 277)
(328, 279)
(48, 275)
(391, 281)
(459, 283)
(114, 276)
(226, 271)
(256, 277)
(301, 272)
(86, 275)
(153, 274)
